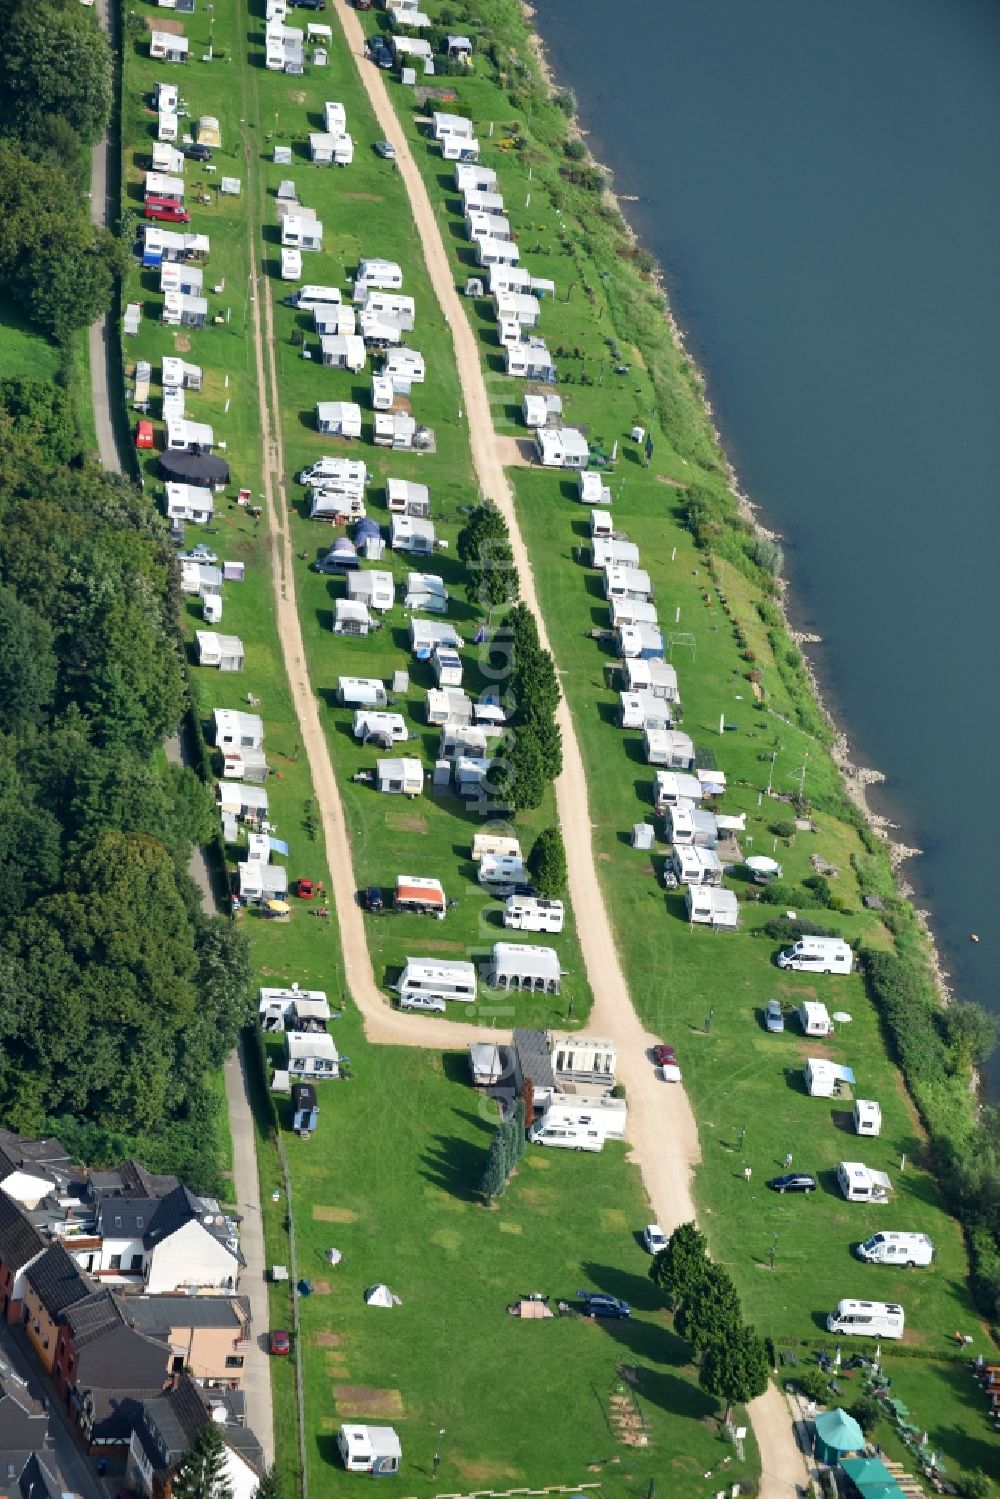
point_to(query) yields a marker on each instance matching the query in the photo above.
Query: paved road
(102, 376)
(76, 1469)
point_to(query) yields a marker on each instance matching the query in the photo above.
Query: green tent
(837, 1433)
(871, 1478)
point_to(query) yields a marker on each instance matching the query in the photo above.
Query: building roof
(533, 1055)
(41, 1157)
(57, 1280)
(130, 1179)
(125, 1217)
(173, 1420)
(157, 1315)
(19, 1240)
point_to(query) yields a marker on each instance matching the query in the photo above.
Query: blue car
(595, 1304)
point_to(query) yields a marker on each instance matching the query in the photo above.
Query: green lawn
(23, 350)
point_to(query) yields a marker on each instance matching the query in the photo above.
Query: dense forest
(119, 998)
(55, 102)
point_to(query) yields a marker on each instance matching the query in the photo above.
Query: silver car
(774, 1020)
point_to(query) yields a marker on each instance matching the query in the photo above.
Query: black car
(597, 1305)
(197, 152)
(795, 1181)
(376, 43)
(310, 4)
(371, 899)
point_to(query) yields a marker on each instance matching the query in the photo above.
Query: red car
(280, 1343)
(305, 889)
(664, 1056)
(165, 211)
(144, 435)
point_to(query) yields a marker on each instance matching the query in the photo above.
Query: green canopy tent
(837, 1434)
(871, 1479)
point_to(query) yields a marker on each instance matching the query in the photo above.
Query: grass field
(23, 350)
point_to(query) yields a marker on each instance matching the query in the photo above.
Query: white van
(566, 1135)
(529, 913)
(818, 955)
(897, 1249)
(311, 298)
(361, 692)
(499, 869)
(368, 725)
(870, 1319)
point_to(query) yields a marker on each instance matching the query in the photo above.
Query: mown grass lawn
(23, 350)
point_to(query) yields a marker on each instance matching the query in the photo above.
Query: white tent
(379, 1295)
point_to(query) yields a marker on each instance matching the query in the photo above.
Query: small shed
(643, 835)
(485, 1064)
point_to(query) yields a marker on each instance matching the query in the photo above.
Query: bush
(813, 1383)
(784, 930)
(618, 1091)
(575, 148)
(867, 1412)
(974, 1485)
(783, 828)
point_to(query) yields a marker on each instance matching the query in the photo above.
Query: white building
(561, 447)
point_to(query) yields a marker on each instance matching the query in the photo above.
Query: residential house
(311, 1054)
(31, 1169)
(20, 1244)
(52, 1284)
(344, 351)
(339, 418)
(28, 1460)
(222, 651)
(209, 1336)
(167, 1426)
(400, 777)
(103, 1367)
(561, 447)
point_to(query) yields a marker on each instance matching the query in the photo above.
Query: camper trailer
(867, 1117)
(815, 1018)
(897, 1249)
(859, 1184)
(577, 1124)
(369, 1449)
(529, 913)
(388, 728)
(871, 1319)
(420, 896)
(361, 692)
(498, 870)
(818, 955)
(494, 843)
(437, 978)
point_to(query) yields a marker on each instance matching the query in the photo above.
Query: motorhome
(818, 955)
(499, 870)
(310, 298)
(577, 1124)
(870, 1319)
(860, 1184)
(361, 692)
(388, 728)
(887, 1248)
(529, 913)
(437, 978)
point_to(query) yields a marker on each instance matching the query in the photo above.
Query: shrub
(867, 1412)
(783, 828)
(813, 1383)
(575, 148)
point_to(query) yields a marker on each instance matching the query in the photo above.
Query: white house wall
(26, 1188)
(190, 1257)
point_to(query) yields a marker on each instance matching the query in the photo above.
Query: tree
(268, 1487)
(971, 1033)
(711, 1311)
(40, 412)
(69, 286)
(867, 1412)
(27, 664)
(528, 1100)
(201, 1473)
(518, 1140)
(484, 547)
(547, 862)
(55, 62)
(511, 1143)
(734, 1367)
(679, 1268)
(521, 779)
(494, 1182)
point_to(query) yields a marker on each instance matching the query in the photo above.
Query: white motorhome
(385, 726)
(888, 1248)
(311, 298)
(437, 978)
(578, 1124)
(500, 869)
(870, 1319)
(818, 955)
(361, 692)
(860, 1184)
(528, 913)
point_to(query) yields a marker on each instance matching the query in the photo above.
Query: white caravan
(527, 913)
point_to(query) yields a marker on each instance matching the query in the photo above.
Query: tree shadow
(455, 1165)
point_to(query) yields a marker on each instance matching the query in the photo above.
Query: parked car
(773, 1018)
(166, 213)
(309, 4)
(371, 899)
(654, 1238)
(433, 1004)
(386, 150)
(596, 1304)
(305, 889)
(376, 43)
(200, 553)
(279, 1342)
(664, 1056)
(144, 435)
(795, 1181)
(197, 152)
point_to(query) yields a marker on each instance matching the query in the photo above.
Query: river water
(819, 180)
